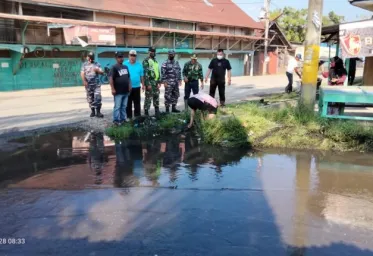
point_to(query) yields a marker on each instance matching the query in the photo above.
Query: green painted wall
(39, 73)
(6, 76)
(48, 73)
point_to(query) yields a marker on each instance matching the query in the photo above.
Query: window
(206, 28)
(181, 25)
(223, 30)
(248, 32)
(161, 23)
(237, 31)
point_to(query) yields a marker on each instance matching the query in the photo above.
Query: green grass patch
(149, 127)
(224, 131)
(252, 124)
(299, 128)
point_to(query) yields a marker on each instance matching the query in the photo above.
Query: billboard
(356, 39)
(87, 35)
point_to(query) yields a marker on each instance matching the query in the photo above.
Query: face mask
(152, 54)
(171, 57)
(219, 57)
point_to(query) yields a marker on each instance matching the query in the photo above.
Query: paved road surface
(25, 110)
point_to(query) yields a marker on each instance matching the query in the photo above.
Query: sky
(340, 7)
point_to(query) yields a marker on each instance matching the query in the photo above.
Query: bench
(343, 94)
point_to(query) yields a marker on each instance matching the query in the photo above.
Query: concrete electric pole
(311, 53)
(266, 20)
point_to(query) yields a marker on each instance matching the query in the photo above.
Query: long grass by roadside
(295, 127)
(256, 125)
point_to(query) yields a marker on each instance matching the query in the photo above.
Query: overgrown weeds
(280, 126)
(149, 127)
(227, 132)
(300, 128)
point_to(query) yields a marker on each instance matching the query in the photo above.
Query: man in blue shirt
(137, 79)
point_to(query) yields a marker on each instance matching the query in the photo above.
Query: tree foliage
(294, 22)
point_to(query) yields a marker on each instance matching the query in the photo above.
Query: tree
(334, 18)
(294, 22)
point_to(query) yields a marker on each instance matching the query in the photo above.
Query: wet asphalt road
(174, 197)
(146, 221)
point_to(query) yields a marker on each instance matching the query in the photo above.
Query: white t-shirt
(292, 64)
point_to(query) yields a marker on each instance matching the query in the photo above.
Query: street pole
(266, 17)
(311, 53)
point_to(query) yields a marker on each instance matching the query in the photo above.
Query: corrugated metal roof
(222, 12)
(91, 23)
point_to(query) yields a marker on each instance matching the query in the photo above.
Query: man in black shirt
(120, 88)
(219, 66)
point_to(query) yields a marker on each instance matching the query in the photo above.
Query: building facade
(43, 43)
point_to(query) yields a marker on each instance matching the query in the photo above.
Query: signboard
(356, 39)
(87, 35)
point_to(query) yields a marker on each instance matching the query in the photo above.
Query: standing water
(261, 203)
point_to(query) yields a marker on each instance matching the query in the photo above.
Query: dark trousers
(351, 76)
(220, 84)
(189, 87)
(289, 87)
(135, 99)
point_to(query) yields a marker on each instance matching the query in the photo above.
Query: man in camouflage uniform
(151, 79)
(97, 155)
(192, 72)
(90, 75)
(171, 78)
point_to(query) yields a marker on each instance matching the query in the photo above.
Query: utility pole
(311, 53)
(266, 20)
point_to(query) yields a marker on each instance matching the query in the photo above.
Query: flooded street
(83, 194)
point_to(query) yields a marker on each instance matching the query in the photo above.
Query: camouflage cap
(194, 57)
(171, 52)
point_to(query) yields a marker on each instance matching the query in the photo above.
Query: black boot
(98, 114)
(167, 109)
(146, 112)
(157, 112)
(93, 113)
(174, 110)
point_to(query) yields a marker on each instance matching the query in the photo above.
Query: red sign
(352, 44)
(83, 35)
(356, 39)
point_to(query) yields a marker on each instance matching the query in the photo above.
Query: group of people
(336, 75)
(128, 78)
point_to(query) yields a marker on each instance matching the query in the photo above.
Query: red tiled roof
(221, 12)
(91, 23)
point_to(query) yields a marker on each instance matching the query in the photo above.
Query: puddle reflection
(306, 192)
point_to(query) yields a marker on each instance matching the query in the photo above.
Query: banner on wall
(356, 39)
(87, 35)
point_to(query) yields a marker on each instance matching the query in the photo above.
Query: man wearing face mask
(218, 66)
(171, 78)
(151, 79)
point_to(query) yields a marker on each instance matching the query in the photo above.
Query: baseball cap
(194, 57)
(171, 52)
(119, 54)
(151, 49)
(133, 52)
(299, 56)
